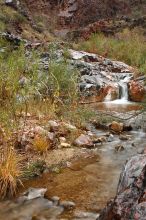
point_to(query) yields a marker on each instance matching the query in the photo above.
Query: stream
(91, 181)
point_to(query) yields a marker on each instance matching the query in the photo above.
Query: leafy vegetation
(34, 169)
(128, 46)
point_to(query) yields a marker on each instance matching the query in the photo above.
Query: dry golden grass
(40, 144)
(10, 172)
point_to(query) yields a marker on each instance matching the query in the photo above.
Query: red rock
(136, 91)
(117, 127)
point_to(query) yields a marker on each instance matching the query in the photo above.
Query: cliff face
(48, 16)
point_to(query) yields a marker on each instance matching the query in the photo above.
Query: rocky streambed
(83, 186)
(90, 173)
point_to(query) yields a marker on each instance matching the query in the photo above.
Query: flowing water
(123, 92)
(91, 180)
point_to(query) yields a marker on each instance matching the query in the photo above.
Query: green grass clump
(128, 46)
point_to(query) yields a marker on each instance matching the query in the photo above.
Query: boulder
(38, 130)
(136, 91)
(130, 201)
(54, 126)
(116, 126)
(83, 141)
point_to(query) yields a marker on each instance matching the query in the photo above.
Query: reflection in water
(116, 106)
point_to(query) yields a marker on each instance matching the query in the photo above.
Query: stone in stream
(33, 193)
(110, 138)
(117, 127)
(119, 148)
(55, 200)
(130, 201)
(124, 137)
(85, 215)
(100, 140)
(67, 204)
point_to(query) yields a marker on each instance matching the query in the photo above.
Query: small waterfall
(123, 90)
(108, 97)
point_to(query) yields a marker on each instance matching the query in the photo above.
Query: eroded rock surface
(130, 202)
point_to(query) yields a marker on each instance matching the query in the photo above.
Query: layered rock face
(130, 202)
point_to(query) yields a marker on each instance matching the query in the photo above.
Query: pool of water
(91, 181)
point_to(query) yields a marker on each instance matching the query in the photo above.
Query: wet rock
(83, 141)
(33, 193)
(51, 213)
(101, 140)
(25, 210)
(140, 151)
(136, 91)
(86, 215)
(124, 137)
(127, 127)
(67, 204)
(55, 200)
(119, 148)
(129, 202)
(99, 125)
(117, 127)
(134, 145)
(110, 138)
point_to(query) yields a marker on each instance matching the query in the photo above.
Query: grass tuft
(10, 172)
(40, 144)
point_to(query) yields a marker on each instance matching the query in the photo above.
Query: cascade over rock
(101, 79)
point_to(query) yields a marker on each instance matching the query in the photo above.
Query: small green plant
(10, 172)
(34, 169)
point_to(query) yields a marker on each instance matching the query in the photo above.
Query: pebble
(110, 138)
(55, 200)
(67, 204)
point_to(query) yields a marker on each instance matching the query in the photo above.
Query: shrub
(40, 144)
(127, 46)
(10, 172)
(34, 169)
(63, 81)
